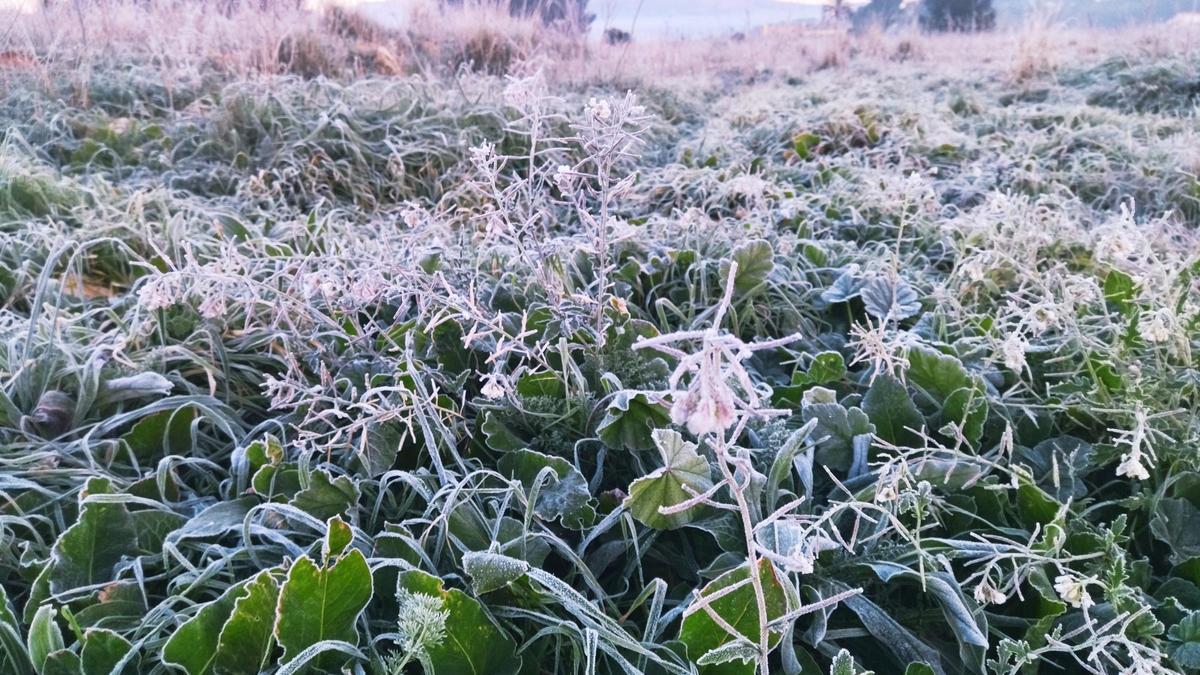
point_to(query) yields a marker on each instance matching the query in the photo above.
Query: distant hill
(1095, 12)
(665, 18)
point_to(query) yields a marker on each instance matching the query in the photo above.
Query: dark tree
(568, 14)
(957, 15)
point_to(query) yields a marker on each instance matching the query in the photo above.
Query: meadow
(471, 349)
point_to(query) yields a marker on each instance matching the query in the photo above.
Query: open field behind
(806, 353)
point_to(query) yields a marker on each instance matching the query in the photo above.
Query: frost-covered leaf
(682, 468)
(246, 639)
(891, 299)
(473, 644)
(320, 603)
(565, 495)
(45, 637)
(755, 261)
(630, 418)
(841, 434)
(87, 552)
(103, 650)
(734, 650)
(490, 571)
(738, 608)
(1184, 641)
(326, 496)
(847, 286)
(892, 411)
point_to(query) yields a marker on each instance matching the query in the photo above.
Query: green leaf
(950, 392)
(894, 637)
(892, 411)
(1120, 290)
(11, 642)
(734, 650)
(338, 535)
(755, 261)
(326, 496)
(1173, 524)
(193, 646)
(473, 645)
(1184, 642)
(491, 571)
(630, 418)
(826, 367)
(968, 625)
(168, 432)
(738, 608)
(682, 466)
(62, 662)
(843, 664)
(103, 650)
(843, 433)
(246, 638)
(317, 604)
(564, 496)
(44, 638)
(86, 552)
(886, 298)
(498, 436)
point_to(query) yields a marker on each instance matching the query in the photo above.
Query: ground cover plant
(885, 367)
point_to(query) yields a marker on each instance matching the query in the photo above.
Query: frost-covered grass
(887, 365)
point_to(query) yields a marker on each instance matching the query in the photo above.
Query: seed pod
(53, 413)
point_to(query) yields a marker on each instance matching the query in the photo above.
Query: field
(324, 350)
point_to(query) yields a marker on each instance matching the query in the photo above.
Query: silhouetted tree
(570, 14)
(957, 15)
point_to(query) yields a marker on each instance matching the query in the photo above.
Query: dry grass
(178, 36)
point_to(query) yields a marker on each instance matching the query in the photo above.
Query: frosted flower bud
(1158, 327)
(1131, 466)
(1073, 591)
(986, 593)
(599, 109)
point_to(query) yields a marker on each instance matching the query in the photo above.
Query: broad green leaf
(44, 638)
(682, 467)
(498, 436)
(738, 608)
(1173, 524)
(892, 411)
(890, 299)
(1184, 641)
(968, 625)
(103, 650)
(565, 495)
(62, 662)
(491, 571)
(322, 603)
(86, 552)
(473, 644)
(950, 393)
(630, 418)
(755, 261)
(168, 432)
(246, 638)
(842, 433)
(193, 646)
(826, 367)
(326, 496)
